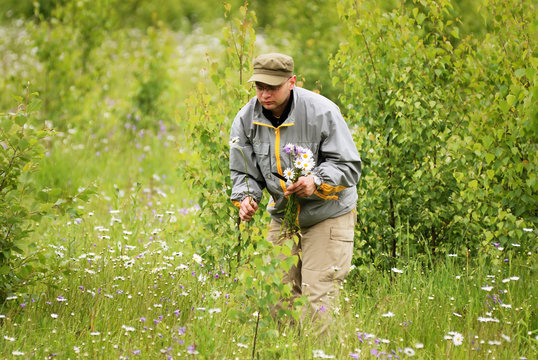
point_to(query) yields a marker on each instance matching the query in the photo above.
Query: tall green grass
(137, 289)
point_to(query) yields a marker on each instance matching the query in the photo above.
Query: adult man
(282, 114)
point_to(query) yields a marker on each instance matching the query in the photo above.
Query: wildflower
(388, 314)
(303, 162)
(128, 328)
(242, 345)
(288, 173)
(487, 288)
(487, 319)
(419, 346)
(321, 354)
(9, 338)
(197, 258)
(54, 316)
(506, 337)
(306, 154)
(397, 270)
(409, 351)
(17, 353)
(288, 148)
(191, 349)
(234, 141)
(457, 339)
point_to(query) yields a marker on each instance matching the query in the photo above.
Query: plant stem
(255, 336)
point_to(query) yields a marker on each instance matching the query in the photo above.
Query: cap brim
(268, 79)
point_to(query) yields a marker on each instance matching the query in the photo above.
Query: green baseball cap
(272, 69)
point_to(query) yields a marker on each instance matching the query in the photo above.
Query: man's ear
(293, 80)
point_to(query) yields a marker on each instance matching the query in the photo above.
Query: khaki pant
(325, 251)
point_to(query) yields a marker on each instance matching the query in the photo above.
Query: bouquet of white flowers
(303, 163)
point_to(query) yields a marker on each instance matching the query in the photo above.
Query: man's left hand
(303, 187)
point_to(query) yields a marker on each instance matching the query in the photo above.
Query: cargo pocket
(263, 157)
(340, 253)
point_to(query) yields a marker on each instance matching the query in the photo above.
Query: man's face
(275, 98)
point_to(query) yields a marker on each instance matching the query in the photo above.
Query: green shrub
(21, 202)
(444, 126)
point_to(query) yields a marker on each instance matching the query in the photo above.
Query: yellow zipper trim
(277, 148)
(277, 153)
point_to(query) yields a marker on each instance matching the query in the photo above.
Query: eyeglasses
(268, 88)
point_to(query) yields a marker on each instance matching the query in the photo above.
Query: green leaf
(520, 72)
(4, 270)
(489, 158)
(473, 185)
(20, 119)
(34, 105)
(510, 100)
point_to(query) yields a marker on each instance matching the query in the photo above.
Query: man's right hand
(247, 209)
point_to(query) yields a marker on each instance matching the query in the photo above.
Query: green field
(117, 237)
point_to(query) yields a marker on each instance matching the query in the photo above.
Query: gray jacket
(314, 122)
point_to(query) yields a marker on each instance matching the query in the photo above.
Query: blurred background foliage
(440, 96)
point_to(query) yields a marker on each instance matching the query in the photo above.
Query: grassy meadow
(136, 271)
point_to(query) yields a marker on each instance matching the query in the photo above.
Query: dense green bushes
(443, 110)
(446, 126)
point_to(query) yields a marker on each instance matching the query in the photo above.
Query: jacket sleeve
(247, 180)
(340, 163)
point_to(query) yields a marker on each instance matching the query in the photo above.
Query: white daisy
(457, 339)
(288, 173)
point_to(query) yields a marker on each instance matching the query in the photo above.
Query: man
(282, 114)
